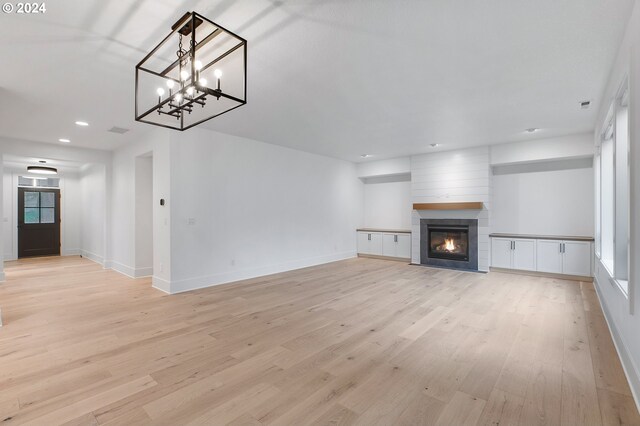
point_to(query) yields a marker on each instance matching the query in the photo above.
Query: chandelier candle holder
(198, 72)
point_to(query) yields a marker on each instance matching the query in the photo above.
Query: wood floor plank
(361, 341)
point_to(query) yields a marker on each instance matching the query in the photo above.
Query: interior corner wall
(144, 215)
(623, 314)
(122, 246)
(242, 208)
(92, 186)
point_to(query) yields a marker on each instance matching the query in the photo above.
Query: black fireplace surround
(449, 243)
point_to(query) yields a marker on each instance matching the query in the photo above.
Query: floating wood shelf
(448, 206)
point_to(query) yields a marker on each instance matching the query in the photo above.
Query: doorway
(38, 222)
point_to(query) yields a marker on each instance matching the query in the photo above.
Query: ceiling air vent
(118, 130)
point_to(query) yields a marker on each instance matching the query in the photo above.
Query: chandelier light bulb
(190, 91)
(198, 65)
(202, 82)
(170, 84)
(160, 91)
(177, 97)
(217, 73)
(184, 75)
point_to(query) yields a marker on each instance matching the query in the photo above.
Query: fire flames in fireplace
(449, 243)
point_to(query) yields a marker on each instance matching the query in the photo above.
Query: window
(613, 191)
(39, 207)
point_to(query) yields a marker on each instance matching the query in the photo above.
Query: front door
(38, 222)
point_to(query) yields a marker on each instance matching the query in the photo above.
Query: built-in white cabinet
(501, 252)
(396, 245)
(568, 257)
(549, 256)
(564, 257)
(388, 244)
(370, 243)
(513, 253)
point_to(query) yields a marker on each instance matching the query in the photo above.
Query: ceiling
(340, 78)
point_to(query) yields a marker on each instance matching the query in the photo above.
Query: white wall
(556, 202)
(242, 208)
(387, 204)
(570, 146)
(93, 212)
(393, 166)
(144, 216)
(7, 214)
(70, 214)
(623, 315)
(2, 228)
(122, 247)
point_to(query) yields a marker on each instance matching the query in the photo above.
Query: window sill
(622, 285)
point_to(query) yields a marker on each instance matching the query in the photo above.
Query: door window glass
(31, 215)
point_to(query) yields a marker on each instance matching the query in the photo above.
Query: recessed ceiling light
(365, 155)
(434, 145)
(532, 130)
(82, 123)
(64, 140)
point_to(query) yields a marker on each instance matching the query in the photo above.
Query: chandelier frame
(187, 27)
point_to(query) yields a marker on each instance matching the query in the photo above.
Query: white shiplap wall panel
(453, 176)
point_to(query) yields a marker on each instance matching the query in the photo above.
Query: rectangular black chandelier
(198, 72)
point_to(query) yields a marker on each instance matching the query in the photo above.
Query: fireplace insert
(448, 242)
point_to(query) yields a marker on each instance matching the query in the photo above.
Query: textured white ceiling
(340, 78)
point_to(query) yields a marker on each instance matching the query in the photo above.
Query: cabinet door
(404, 246)
(389, 245)
(577, 258)
(375, 246)
(524, 255)
(549, 256)
(363, 242)
(501, 252)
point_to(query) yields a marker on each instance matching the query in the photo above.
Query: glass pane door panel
(47, 199)
(31, 199)
(31, 215)
(47, 215)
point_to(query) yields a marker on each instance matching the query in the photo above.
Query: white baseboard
(630, 369)
(160, 284)
(71, 252)
(189, 284)
(119, 267)
(129, 271)
(92, 256)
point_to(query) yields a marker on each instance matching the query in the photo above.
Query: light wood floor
(364, 341)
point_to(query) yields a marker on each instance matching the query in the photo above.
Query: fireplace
(449, 242)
